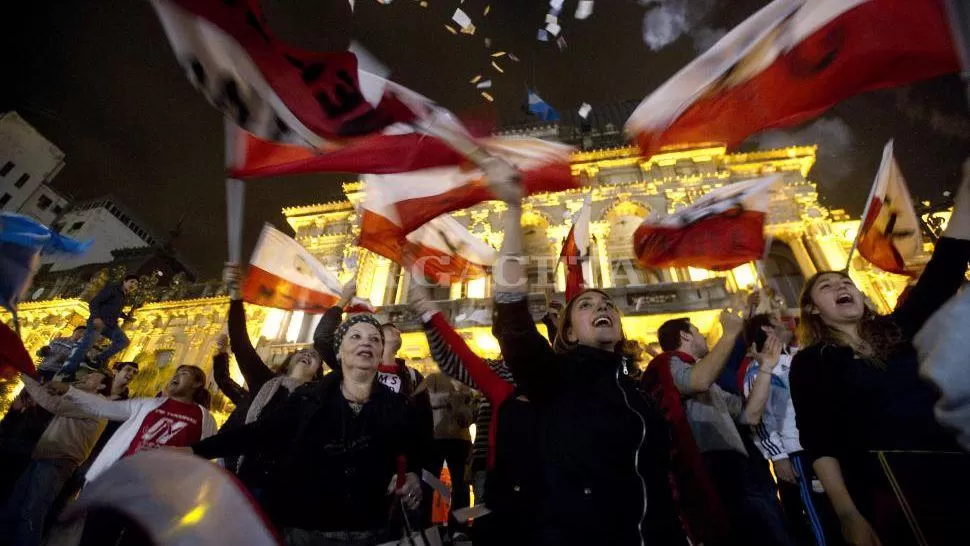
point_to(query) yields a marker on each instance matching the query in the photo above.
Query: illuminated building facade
(179, 324)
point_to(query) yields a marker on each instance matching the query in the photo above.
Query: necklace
(356, 405)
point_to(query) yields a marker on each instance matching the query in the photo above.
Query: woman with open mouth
(581, 455)
(339, 442)
(265, 389)
(863, 412)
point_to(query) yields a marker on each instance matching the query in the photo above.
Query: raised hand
(420, 298)
(770, 353)
(348, 292)
(503, 179)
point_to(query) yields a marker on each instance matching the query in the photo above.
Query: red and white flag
(360, 305)
(274, 91)
(791, 61)
(420, 196)
(376, 154)
(575, 251)
(284, 275)
(442, 249)
(720, 231)
(890, 232)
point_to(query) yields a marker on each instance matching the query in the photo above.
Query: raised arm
(945, 273)
(705, 372)
(58, 405)
(757, 396)
(220, 373)
(97, 406)
(323, 335)
(769, 438)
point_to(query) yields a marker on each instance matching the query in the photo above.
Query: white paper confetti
(487, 84)
(553, 28)
(488, 97)
(542, 36)
(550, 18)
(584, 9)
(497, 67)
(476, 79)
(488, 42)
(488, 8)
(451, 30)
(461, 18)
(351, 6)
(556, 4)
(498, 54)
(584, 110)
(561, 43)
(513, 57)
(470, 29)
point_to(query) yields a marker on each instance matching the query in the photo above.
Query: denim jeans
(111, 331)
(23, 517)
(747, 493)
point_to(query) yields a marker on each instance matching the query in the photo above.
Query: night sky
(98, 79)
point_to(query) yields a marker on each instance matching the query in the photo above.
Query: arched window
(784, 275)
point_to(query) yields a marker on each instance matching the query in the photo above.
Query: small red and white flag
(575, 251)
(283, 274)
(720, 231)
(441, 250)
(791, 61)
(420, 196)
(890, 232)
(274, 91)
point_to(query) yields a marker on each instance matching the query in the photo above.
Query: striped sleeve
(446, 358)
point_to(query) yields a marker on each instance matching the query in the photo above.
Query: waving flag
(441, 249)
(720, 231)
(375, 154)
(575, 251)
(274, 91)
(791, 61)
(284, 275)
(890, 232)
(420, 196)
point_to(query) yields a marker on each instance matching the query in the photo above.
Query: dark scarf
(697, 499)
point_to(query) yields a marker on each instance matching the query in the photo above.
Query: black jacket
(335, 466)
(107, 304)
(581, 454)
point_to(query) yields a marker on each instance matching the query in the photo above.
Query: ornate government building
(179, 323)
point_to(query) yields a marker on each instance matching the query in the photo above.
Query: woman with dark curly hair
(858, 397)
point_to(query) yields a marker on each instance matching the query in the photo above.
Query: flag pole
(235, 198)
(959, 15)
(862, 221)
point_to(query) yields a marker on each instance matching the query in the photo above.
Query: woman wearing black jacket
(582, 456)
(339, 442)
(857, 392)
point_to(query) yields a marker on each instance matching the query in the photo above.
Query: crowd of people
(770, 436)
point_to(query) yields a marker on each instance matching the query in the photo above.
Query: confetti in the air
(513, 57)
(561, 43)
(470, 29)
(487, 84)
(488, 43)
(553, 28)
(542, 36)
(584, 9)
(476, 79)
(423, 4)
(497, 67)
(551, 19)
(498, 54)
(556, 4)
(462, 19)
(451, 30)
(584, 109)
(488, 8)
(351, 6)
(488, 97)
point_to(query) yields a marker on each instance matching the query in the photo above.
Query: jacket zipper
(636, 453)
